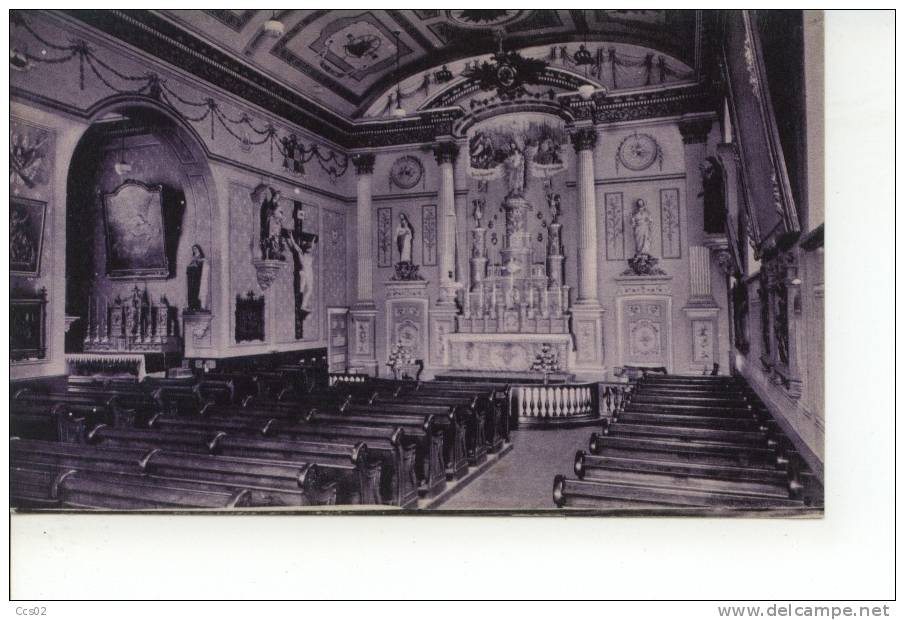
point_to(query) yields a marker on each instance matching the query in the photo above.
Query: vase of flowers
(401, 361)
(546, 361)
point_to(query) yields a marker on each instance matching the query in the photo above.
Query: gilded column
(584, 140)
(363, 356)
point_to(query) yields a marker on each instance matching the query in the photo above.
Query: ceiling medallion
(507, 73)
(485, 18)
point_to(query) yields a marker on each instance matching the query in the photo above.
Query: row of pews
(686, 444)
(271, 438)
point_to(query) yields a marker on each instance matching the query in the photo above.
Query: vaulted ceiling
(346, 59)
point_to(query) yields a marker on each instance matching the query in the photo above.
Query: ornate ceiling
(345, 59)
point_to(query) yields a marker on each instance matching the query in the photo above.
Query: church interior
(455, 260)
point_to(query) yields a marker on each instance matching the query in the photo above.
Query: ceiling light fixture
(398, 111)
(273, 27)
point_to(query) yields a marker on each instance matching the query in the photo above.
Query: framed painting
(26, 236)
(133, 220)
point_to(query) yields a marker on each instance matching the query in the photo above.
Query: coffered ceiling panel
(346, 58)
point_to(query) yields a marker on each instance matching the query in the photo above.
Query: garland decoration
(152, 85)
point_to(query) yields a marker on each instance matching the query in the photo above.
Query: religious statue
(405, 234)
(641, 226)
(714, 197)
(304, 270)
(515, 170)
(555, 204)
(478, 211)
(272, 245)
(198, 280)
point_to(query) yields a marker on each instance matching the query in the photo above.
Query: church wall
(420, 205)
(329, 218)
(53, 98)
(672, 178)
(47, 184)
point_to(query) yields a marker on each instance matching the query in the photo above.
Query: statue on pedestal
(478, 211)
(405, 234)
(198, 281)
(641, 226)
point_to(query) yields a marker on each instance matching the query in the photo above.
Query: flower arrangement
(400, 358)
(546, 361)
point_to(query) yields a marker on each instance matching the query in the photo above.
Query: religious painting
(429, 235)
(670, 229)
(30, 150)
(133, 217)
(26, 236)
(516, 148)
(385, 237)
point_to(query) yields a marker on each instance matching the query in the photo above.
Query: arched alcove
(112, 251)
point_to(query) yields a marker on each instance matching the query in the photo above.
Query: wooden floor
(522, 480)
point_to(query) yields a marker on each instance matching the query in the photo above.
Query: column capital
(364, 162)
(584, 139)
(696, 130)
(446, 153)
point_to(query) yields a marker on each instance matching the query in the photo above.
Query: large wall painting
(670, 227)
(527, 144)
(133, 216)
(614, 224)
(26, 236)
(385, 237)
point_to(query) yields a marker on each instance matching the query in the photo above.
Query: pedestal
(406, 318)
(587, 327)
(704, 349)
(363, 354)
(196, 328)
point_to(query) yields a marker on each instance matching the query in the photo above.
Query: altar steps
(691, 442)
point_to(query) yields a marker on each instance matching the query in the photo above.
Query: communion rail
(567, 404)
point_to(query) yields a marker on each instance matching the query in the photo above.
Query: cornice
(163, 40)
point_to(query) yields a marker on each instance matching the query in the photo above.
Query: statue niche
(714, 197)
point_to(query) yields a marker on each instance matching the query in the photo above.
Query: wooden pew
(80, 489)
(399, 484)
(456, 435)
(596, 494)
(427, 431)
(244, 384)
(96, 409)
(358, 479)
(474, 411)
(271, 483)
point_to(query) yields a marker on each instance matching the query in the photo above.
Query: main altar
(514, 309)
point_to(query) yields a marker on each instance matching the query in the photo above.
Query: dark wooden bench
(81, 489)
(428, 431)
(357, 478)
(598, 494)
(399, 485)
(271, 483)
(458, 442)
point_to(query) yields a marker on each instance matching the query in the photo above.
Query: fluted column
(584, 140)
(364, 166)
(446, 154)
(363, 354)
(587, 313)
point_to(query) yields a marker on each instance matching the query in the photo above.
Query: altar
(505, 352)
(517, 310)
